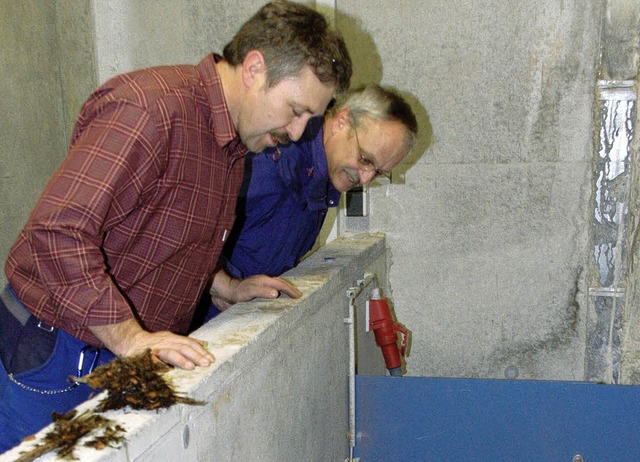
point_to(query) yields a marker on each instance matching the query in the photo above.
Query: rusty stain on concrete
(222, 400)
(241, 337)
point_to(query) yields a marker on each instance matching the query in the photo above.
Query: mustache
(282, 138)
(353, 175)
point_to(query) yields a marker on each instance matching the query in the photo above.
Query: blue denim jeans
(28, 398)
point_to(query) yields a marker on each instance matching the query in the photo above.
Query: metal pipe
(352, 294)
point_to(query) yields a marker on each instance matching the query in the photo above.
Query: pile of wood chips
(137, 382)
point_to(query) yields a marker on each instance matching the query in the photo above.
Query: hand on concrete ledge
(128, 339)
(226, 291)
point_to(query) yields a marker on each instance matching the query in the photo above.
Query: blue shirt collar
(305, 170)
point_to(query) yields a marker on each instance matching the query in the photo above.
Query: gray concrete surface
(489, 228)
(47, 66)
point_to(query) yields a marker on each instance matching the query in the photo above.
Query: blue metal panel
(439, 419)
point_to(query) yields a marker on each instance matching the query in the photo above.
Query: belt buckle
(45, 327)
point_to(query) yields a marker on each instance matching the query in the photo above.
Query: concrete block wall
(279, 387)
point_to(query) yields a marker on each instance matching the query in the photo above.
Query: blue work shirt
(281, 207)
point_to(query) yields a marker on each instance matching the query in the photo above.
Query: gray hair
(375, 102)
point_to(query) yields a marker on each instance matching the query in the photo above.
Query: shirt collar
(320, 180)
(303, 169)
(221, 122)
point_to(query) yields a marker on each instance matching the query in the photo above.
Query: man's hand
(225, 290)
(128, 339)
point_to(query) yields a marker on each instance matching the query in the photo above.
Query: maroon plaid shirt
(134, 219)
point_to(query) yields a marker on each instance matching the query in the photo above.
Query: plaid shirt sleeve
(114, 161)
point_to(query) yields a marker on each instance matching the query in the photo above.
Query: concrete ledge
(278, 389)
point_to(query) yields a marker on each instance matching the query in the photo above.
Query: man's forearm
(119, 338)
(222, 286)
(129, 338)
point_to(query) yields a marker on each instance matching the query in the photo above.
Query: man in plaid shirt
(127, 233)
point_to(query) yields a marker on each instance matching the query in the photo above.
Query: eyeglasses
(367, 164)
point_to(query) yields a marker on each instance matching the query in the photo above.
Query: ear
(254, 68)
(342, 120)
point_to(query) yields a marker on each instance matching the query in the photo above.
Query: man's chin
(266, 141)
(256, 144)
(343, 187)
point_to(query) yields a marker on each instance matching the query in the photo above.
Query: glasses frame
(367, 164)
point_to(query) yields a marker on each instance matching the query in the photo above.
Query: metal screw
(512, 372)
(578, 458)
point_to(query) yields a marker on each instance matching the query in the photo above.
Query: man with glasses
(287, 189)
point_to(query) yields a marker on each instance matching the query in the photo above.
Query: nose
(367, 176)
(295, 129)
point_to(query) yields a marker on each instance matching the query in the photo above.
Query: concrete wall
(278, 389)
(488, 223)
(39, 87)
(489, 230)
(136, 34)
